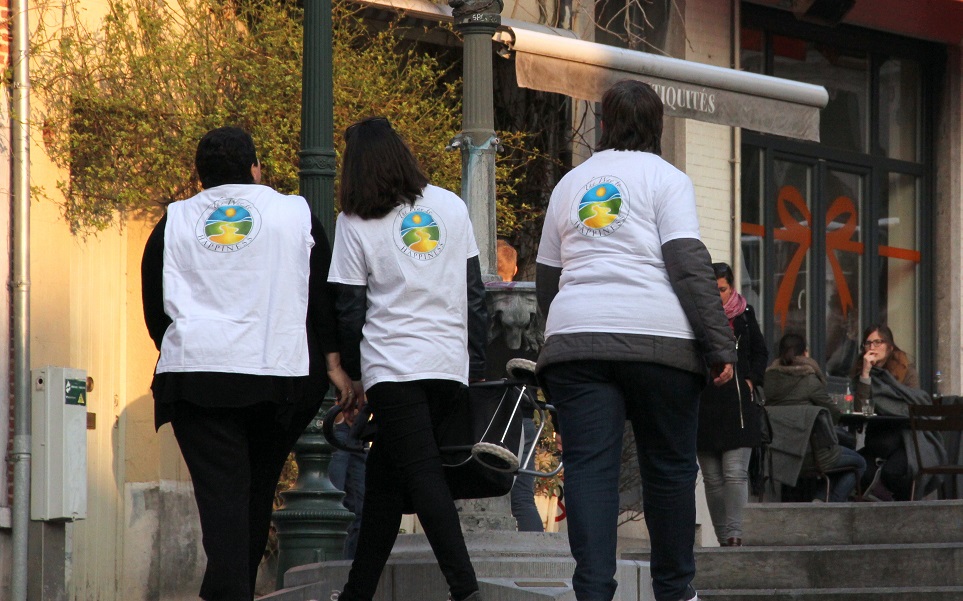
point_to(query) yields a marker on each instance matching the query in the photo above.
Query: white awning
(688, 89)
(554, 60)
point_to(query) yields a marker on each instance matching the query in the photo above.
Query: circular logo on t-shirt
(601, 208)
(229, 224)
(419, 232)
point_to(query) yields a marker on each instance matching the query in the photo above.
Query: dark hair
(791, 345)
(631, 118)
(378, 170)
(722, 270)
(225, 156)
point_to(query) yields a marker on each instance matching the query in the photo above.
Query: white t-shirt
(413, 262)
(236, 268)
(605, 226)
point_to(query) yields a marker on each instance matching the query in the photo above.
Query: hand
(342, 382)
(749, 384)
(721, 373)
(356, 400)
(870, 358)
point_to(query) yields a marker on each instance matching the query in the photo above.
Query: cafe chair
(935, 419)
(823, 475)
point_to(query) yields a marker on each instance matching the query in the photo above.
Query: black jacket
(728, 418)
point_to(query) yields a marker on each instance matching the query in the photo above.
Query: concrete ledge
(817, 567)
(937, 593)
(794, 524)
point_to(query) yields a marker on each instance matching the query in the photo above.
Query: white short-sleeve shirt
(414, 264)
(605, 226)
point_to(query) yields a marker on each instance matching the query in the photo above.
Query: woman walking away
(729, 419)
(632, 320)
(412, 321)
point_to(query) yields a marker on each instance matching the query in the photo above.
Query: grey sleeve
(546, 286)
(690, 271)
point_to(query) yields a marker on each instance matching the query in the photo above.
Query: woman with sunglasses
(884, 443)
(413, 323)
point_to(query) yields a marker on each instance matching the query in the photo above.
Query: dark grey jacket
(689, 268)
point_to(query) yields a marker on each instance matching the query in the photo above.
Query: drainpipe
(20, 297)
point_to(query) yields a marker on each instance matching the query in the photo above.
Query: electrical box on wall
(58, 475)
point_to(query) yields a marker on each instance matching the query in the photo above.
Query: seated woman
(885, 449)
(795, 379)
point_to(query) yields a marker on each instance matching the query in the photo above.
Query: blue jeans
(523, 490)
(346, 472)
(842, 484)
(593, 399)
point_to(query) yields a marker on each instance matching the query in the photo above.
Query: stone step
(920, 593)
(820, 567)
(796, 524)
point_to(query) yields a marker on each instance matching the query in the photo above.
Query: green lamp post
(477, 21)
(312, 523)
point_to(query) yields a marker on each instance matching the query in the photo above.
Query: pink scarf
(736, 305)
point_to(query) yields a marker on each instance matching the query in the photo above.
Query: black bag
(483, 412)
(765, 428)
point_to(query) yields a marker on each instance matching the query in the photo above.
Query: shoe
(878, 492)
(734, 541)
(476, 596)
(690, 594)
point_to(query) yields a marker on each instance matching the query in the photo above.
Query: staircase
(839, 551)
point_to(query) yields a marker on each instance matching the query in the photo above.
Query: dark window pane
(845, 75)
(753, 229)
(899, 109)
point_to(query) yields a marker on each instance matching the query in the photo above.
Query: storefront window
(753, 231)
(792, 239)
(831, 231)
(844, 123)
(900, 256)
(844, 256)
(899, 100)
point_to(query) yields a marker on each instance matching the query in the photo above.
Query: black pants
(404, 463)
(887, 443)
(235, 457)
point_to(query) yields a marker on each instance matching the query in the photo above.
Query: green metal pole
(312, 523)
(477, 21)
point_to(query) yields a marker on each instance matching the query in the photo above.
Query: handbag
(765, 428)
(484, 412)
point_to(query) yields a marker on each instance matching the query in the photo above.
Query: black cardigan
(720, 426)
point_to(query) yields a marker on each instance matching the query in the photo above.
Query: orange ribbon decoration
(795, 231)
(791, 231)
(841, 239)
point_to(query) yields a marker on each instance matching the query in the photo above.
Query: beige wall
(141, 537)
(948, 267)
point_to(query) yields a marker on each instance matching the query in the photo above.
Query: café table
(856, 423)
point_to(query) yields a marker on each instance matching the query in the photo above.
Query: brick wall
(709, 147)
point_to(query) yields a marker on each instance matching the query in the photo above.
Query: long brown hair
(898, 362)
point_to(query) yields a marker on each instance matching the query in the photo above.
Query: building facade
(826, 236)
